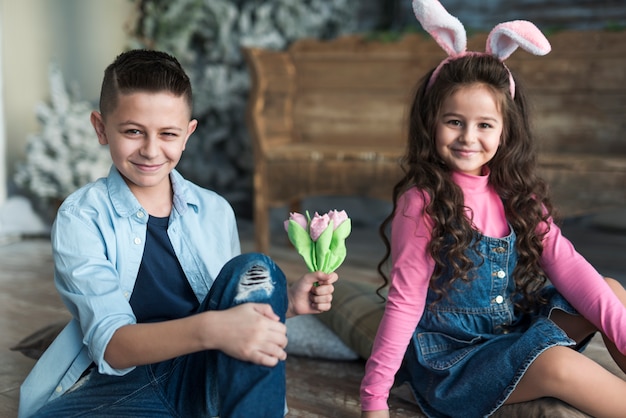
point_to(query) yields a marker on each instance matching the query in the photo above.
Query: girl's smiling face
(469, 129)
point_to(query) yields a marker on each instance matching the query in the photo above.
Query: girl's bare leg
(570, 376)
(619, 358)
(566, 374)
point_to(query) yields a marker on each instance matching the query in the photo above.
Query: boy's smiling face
(146, 133)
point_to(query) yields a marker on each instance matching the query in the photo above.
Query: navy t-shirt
(161, 291)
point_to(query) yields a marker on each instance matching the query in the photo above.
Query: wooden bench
(328, 117)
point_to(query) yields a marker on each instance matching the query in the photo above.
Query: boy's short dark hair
(146, 71)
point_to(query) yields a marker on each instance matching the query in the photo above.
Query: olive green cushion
(355, 315)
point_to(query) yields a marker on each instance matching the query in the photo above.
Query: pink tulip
(299, 218)
(337, 217)
(319, 223)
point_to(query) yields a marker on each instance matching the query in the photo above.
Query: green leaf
(343, 231)
(301, 240)
(338, 249)
(322, 248)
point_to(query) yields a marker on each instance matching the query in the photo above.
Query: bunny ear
(446, 29)
(504, 39)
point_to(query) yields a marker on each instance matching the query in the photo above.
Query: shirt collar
(126, 204)
(475, 184)
(183, 196)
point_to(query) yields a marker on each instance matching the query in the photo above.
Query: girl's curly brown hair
(513, 175)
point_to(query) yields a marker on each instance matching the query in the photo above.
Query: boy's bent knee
(256, 279)
(258, 276)
(245, 261)
(251, 277)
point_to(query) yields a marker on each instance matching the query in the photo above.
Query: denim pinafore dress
(470, 349)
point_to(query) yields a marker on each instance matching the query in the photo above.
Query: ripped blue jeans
(202, 384)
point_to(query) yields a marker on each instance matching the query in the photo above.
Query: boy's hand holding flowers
(321, 243)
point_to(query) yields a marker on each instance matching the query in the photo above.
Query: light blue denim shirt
(98, 241)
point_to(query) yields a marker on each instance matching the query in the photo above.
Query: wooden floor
(316, 388)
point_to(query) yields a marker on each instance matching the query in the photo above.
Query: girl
(470, 323)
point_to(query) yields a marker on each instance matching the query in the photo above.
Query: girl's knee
(548, 375)
(556, 366)
(616, 286)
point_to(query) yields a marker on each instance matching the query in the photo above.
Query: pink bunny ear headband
(502, 41)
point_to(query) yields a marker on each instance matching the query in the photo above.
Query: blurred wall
(483, 15)
(82, 36)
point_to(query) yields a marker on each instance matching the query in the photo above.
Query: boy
(168, 318)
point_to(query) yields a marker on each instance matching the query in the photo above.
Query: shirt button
(501, 274)
(58, 389)
(140, 214)
(499, 299)
(137, 240)
(500, 250)
(126, 295)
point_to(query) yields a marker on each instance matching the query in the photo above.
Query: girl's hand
(252, 332)
(311, 294)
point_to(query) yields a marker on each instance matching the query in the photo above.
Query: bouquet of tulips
(320, 240)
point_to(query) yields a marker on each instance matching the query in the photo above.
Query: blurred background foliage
(206, 36)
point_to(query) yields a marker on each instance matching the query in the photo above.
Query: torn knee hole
(257, 278)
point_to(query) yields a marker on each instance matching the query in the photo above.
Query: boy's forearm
(139, 344)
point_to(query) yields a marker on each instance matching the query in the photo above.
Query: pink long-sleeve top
(412, 268)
